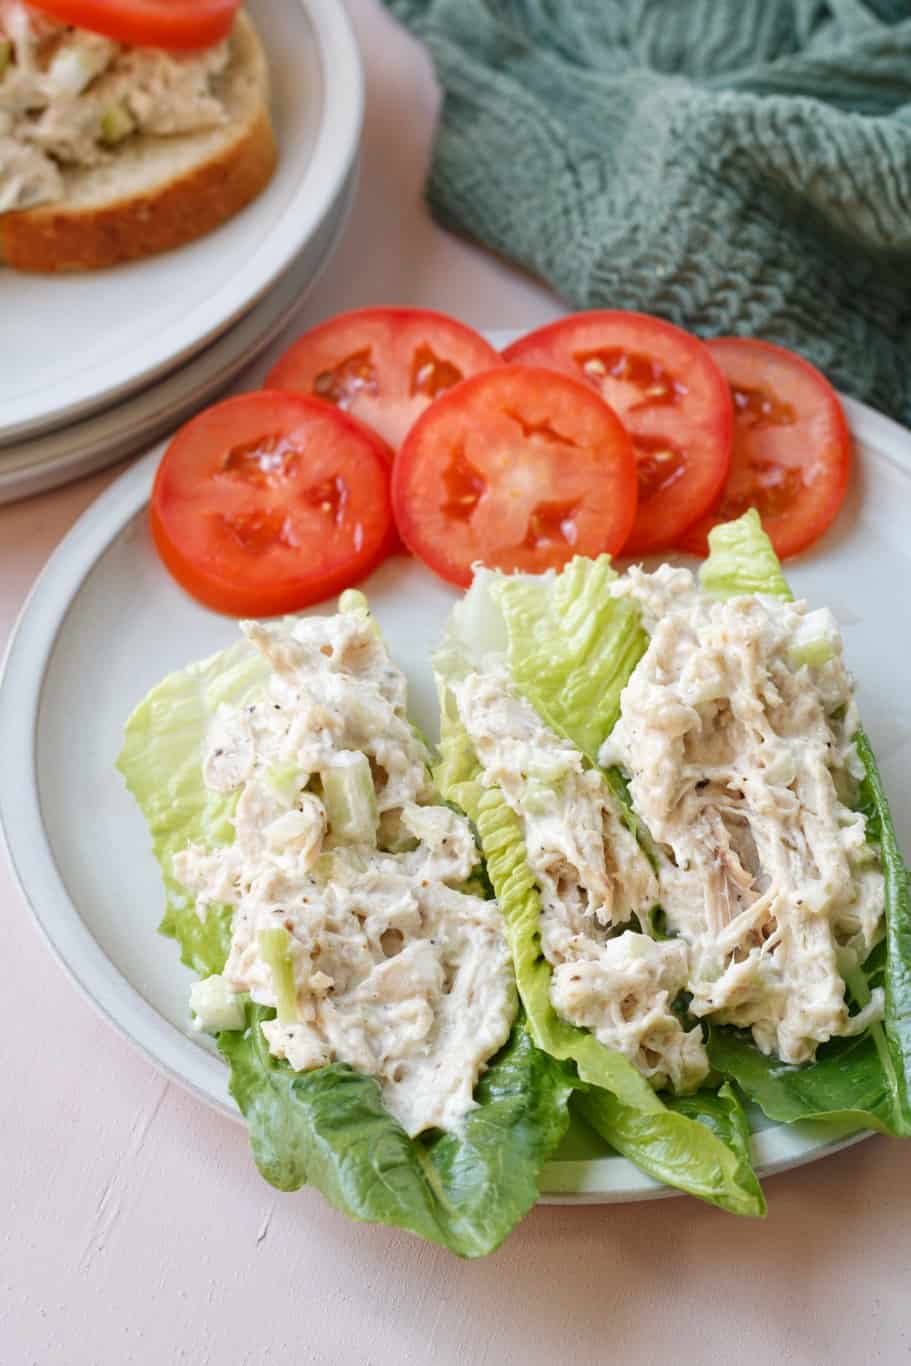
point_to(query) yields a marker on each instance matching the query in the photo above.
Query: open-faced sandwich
(127, 127)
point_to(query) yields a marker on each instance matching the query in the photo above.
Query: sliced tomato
(269, 502)
(173, 24)
(383, 365)
(671, 398)
(792, 447)
(519, 468)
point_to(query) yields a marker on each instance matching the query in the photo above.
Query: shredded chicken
(67, 96)
(593, 878)
(396, 971)
(741, 764)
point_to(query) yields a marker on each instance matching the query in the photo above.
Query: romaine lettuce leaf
(897, 967)
(571, 646)
(161, 762)
(846, 1082)
(613, 1098)
(464, 1189)
(741, 561)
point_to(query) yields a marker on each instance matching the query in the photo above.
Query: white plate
(45, 462)
(105, 622)
(75, 343)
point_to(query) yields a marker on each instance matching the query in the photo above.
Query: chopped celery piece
(75, 66)
(354, 602)
(342, 866)
(426, 823)
(350, 799)
(215, 1005)
(815, 641)
(552, 770)
(538, 797)
(284, 780)
(116, 124)
(275, 951)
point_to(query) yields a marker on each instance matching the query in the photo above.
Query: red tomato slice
(269, 502)
(520, 468)
(383, 365)
(792, 447)
(671, 398)
(174, 24)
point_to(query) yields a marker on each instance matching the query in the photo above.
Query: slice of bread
(156, 192)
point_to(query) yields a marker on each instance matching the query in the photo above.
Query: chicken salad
(356, 977)
(736, 731)
(577, 971)
(68, 97)
(345, 880)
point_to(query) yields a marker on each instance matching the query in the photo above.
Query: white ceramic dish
(45, 462)
(71, 345)
(105, 622)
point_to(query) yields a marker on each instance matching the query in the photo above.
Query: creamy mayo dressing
(67, 96)
(593, 878)
(741, 762)
(396, 971)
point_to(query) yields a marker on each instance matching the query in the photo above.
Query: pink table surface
(134, 1227)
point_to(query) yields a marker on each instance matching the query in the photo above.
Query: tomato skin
(670, 396)
(520, 468)
(789, 424)
(176, 25)
(269, 502)
(383, 365)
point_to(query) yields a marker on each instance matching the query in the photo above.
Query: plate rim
(335, 147)
(138, 418)
(611, 1179)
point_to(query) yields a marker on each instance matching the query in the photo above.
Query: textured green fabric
(736, 166)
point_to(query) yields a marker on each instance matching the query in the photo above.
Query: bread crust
(59, 237)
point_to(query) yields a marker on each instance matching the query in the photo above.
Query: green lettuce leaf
(464, 1190)
(741, 561)
(867, 1079)
(846, 1081)
(614, 1098)
(897, 968)
(161, 762)
(551, 640)
(723, 1113)
(571, 646)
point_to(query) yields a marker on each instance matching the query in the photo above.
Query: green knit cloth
(736, 166)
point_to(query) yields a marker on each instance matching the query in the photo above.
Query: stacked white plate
(94, 367)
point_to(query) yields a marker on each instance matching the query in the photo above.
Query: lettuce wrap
(463, 1189)
(569, 648)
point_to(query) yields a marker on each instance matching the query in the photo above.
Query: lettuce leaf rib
(709, 1161)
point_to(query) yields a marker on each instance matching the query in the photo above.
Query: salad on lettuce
(652, 877)
(689, 840)
(360, 986)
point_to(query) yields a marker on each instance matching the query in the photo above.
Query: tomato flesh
(269, 502)
(671, 398)
(520, 468)
(792, 447)
(178, 25)
(385, 366)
